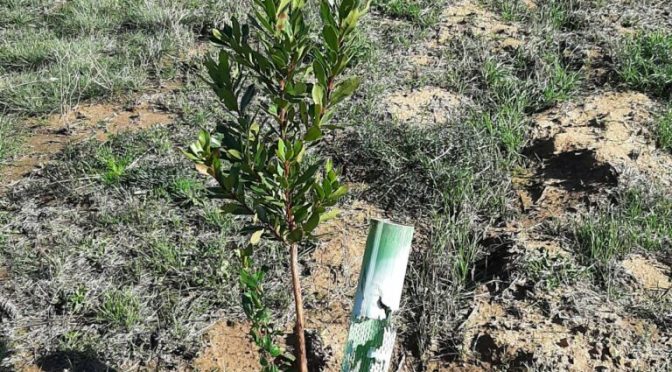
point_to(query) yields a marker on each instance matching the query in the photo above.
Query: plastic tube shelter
(372, 333)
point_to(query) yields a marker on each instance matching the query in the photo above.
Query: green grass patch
(187, 191)
(510, 10)
(54, 56)
(560, 82)
(115, 168)
(560, 14)
(549, 272)
(431, 175)
(407, 9)
(645, 62)
(10, 136)
(512, 91)
(509, 97)
(421, 12)
(664, 130)
(639, 221)
(120, 308)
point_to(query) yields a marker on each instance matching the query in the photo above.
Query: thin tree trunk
(298, 302)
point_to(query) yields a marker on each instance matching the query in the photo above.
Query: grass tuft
(9, 138)
(423, 12)
(560, 14)
(645, 62)
(640, 221)
(664, 130)
(120, 308)
(561, 81)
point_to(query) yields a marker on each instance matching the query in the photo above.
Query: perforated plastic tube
(372, 332)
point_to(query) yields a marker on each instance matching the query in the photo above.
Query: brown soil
(228, 349)
(470, 18)
(586, 146)
(49, 136)
(424, 106)
(612, 127)
(649, 274)
(466, 17)
(522, 332)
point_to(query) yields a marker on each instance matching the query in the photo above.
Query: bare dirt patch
(649, 274)
(228, 349)
(334, 278)
(424, 106)
(470, 18)
(612, 126)
(584, 148)
(49, 136)
(558, 331)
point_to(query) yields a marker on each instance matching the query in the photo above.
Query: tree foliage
(279, 84)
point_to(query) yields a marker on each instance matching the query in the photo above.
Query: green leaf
(320, 73)
(344, 90)
(341, 191)
(318, 94)
(299, 151)
(312, 223)
(235, 154)
(247, 97)
(247, 279)
(295, 235)
(281, 152)
(326, 13)
(352, 19)
(256, 237)
(216, 34)
(330, 215)
(282, 6)
(297, 89)
(330, 37)
(345, 8)
(274, 351)
(235, 209)
(309, 174)
(313, 134)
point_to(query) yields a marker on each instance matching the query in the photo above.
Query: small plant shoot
(279, 85)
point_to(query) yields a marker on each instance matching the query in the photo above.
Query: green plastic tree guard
(372, 333)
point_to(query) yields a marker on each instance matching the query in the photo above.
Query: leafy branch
(280, 87)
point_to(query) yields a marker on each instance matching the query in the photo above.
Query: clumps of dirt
(586, 146)
(649, 274)
(424, 106)
(584, 149)
(470, 18)
(558, 330)
(530, 4)
(48, 136)
(611, 125)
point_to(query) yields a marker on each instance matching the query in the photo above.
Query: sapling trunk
(302, 360)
